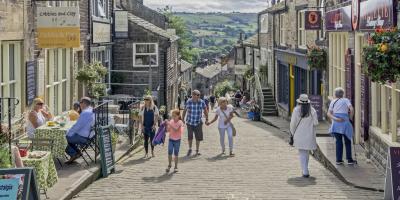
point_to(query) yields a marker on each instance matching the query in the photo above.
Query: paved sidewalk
(264, 167)
(364, 174)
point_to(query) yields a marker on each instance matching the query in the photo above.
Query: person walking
(194, 108)
(225, 114)
(212, 101)
(302, 126)
(340, 112)
(179, 102)
(175, 128)
(149, 117)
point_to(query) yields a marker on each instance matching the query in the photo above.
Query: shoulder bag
(291, 138)
(233, 127)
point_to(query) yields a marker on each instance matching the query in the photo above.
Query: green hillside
(215, 33)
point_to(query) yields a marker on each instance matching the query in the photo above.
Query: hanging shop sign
(121, 24)
(339, 19)
(355, 13)
(31, 91)
(376, 14)
(101, 32)
(313, 20)
(58, 27)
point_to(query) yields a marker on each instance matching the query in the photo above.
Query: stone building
(147, 59)
(286, 41)
(186, 76)
(16, 53)
(205, 79)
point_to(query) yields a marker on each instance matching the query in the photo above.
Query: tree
(185, 41)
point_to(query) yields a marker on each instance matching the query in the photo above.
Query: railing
(259, 91)
(11, 104)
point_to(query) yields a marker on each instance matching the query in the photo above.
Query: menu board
(30, 81)
(20, 183)
(107, 156)
(316, 103)
(392, 185)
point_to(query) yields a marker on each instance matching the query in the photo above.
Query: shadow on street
(302, 182)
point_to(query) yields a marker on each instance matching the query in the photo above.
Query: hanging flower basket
(134, 114)
(316, 57)
(381, 60)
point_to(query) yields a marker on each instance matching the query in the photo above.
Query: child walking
(175, 128)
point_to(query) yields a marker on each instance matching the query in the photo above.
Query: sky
(252, 6)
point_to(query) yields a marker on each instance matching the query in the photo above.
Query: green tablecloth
(45, 170)
(58, 135)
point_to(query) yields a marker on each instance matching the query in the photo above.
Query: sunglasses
(196, 94)
(40, 104)
(147, 99)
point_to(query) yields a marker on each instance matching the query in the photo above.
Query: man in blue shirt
(194, 108)
(81, 132)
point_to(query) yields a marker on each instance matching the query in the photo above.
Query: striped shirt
(194, 111)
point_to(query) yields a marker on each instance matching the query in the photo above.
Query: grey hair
(339, 92)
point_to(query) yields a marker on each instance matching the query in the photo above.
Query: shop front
(377, 116)
(294, 78)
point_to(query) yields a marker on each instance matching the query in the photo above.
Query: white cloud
(210, 5)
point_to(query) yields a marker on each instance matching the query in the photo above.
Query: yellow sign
(59, 37)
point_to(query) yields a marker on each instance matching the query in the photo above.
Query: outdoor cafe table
(45, 170)
(57, 134)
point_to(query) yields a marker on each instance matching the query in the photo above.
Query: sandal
(175, 169)
(168, 168)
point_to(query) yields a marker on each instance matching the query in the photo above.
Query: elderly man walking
(194, 109)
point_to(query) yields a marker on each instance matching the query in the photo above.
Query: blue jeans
(339, 147)
(173, 147)
(73, 141)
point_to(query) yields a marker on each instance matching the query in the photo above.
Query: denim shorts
(173, 147)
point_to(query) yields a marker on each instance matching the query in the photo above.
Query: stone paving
(264, 167)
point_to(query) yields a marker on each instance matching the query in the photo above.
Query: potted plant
(114, 140)
(316, 57)
(381, 61)
(91, 75)
(134, 114)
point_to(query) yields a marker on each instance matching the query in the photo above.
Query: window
(58, 79)
(62, 3)
(301, 31)
(10, 79)
(264, 23)
(145, 55)
(100, 8)
(282, 30)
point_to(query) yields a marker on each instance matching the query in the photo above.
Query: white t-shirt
(340, 106)
(221, 116)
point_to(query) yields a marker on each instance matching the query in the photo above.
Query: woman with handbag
(149, 118)
(225, 114)
(302, 129)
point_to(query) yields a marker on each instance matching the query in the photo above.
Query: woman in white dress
(302, 126)
(38, 116)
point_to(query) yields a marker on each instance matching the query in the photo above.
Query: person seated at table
(75, 112)
(38, 116)
(80, 132)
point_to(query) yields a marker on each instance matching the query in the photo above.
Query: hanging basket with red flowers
(316, 57)
(381, 58)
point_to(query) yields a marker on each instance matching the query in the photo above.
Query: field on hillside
(215, 33)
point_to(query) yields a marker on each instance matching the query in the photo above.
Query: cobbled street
(264, 167)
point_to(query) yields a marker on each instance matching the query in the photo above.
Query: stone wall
(377, 149)
(138, 9)
(123, 60)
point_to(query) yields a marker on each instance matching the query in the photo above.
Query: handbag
(291, 138)
(233, 127)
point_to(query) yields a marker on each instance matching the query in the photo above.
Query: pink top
(175, 135)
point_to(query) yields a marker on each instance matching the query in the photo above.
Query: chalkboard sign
(392, 183)
(316, 102)
(30, 81)
(29, 191)
(107, 156)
